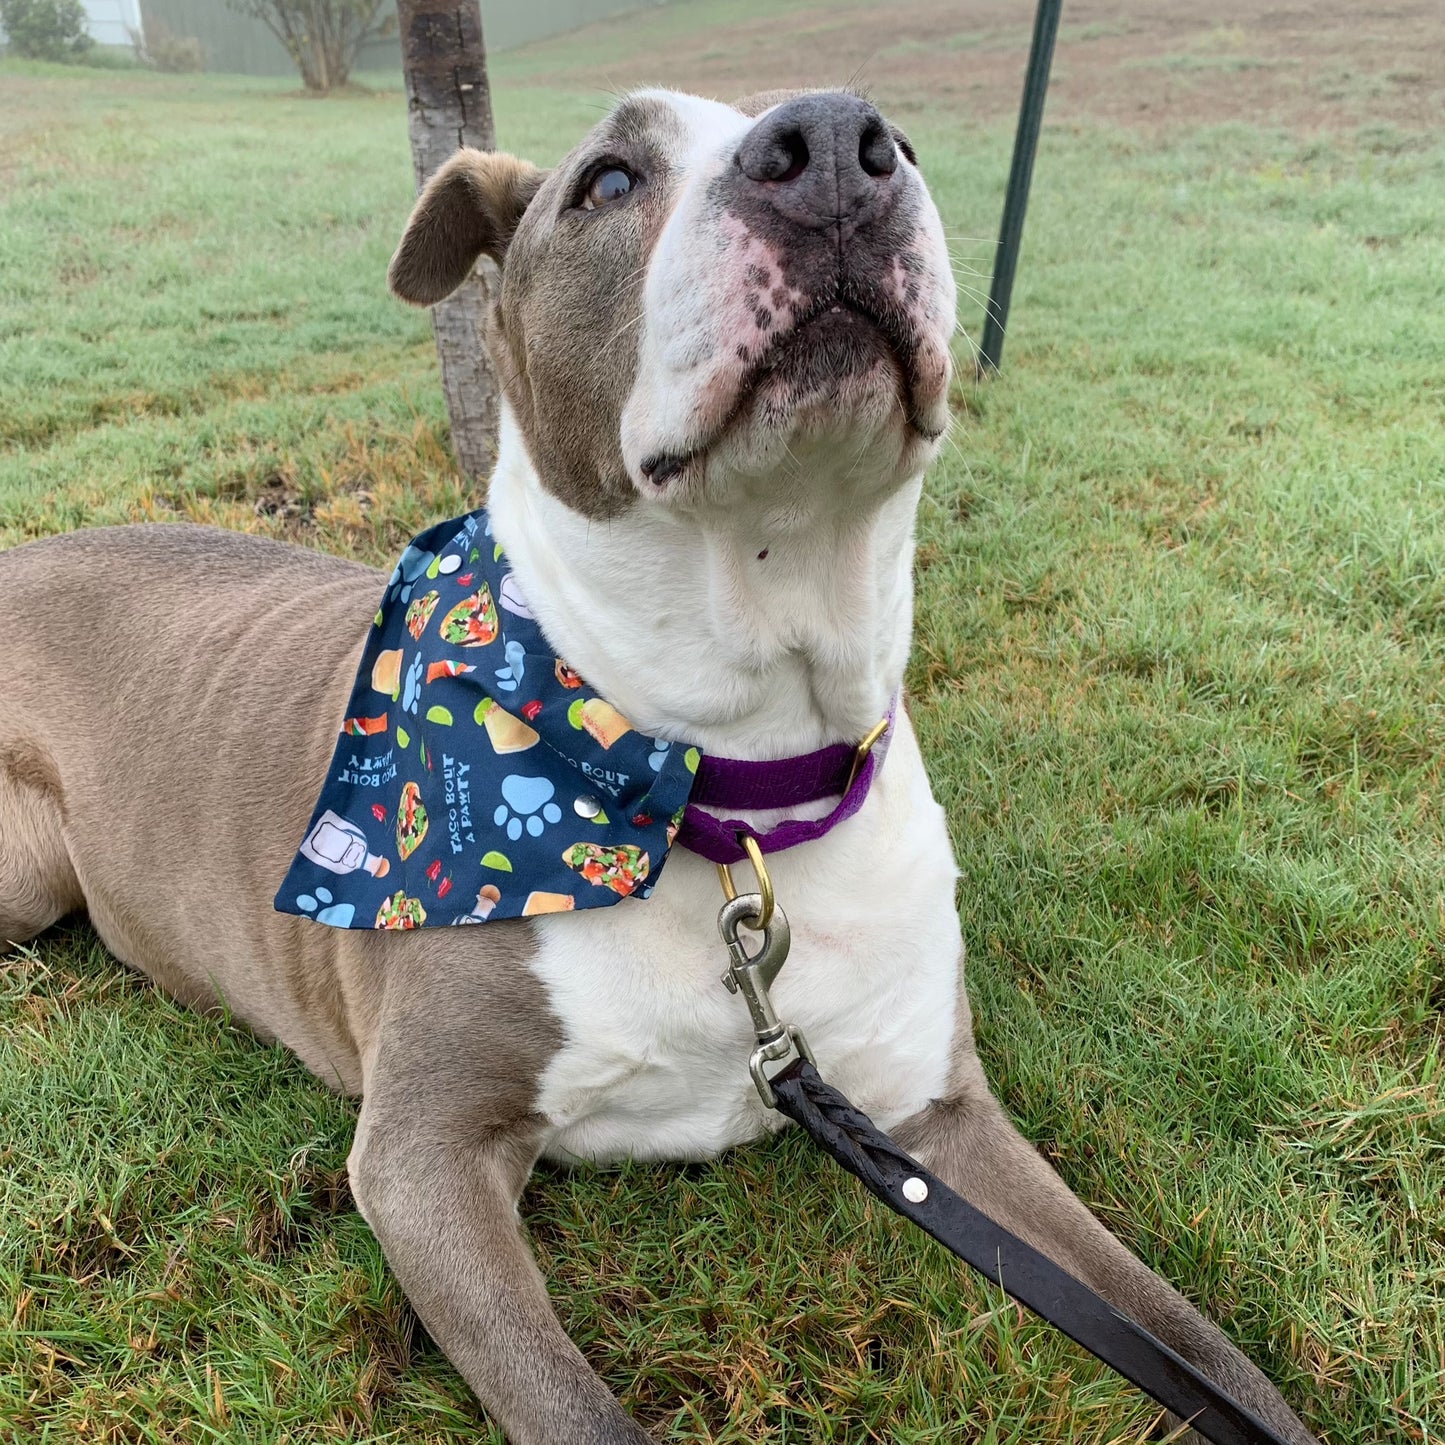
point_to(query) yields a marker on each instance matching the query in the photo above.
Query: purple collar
(781, 783)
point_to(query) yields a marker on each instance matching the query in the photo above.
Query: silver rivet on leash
(915, 1191)
(586, 807)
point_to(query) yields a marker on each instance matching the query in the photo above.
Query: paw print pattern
(528, 804)
(509, 678)
(658, 756)
(321, 907)
(408, 571)
(411, 690)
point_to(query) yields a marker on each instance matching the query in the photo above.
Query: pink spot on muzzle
(754, 307)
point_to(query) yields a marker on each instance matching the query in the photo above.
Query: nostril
(877, 152)
(660, 469)
(797, 152)
(779, 155)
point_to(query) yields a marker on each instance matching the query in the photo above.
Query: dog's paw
(528, 806)
(338, 915)
(509, 678)
(411, 689)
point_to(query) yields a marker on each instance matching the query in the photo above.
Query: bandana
(477, 776)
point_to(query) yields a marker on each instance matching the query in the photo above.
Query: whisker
(616, 335)
(853, 85)
(973, 346)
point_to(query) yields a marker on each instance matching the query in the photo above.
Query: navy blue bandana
(476, 775)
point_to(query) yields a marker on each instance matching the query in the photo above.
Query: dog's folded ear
(472, 205)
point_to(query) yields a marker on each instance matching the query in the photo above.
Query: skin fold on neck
(677, 619)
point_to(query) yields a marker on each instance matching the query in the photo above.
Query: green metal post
(1026, 143)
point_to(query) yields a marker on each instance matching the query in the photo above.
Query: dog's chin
(836, 383)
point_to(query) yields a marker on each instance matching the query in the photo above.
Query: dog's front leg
(969, 1142)
(443, 1147)
(445, 1211)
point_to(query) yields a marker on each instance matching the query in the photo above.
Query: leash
(906, 1187)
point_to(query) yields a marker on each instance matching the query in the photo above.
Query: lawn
(1178, 671)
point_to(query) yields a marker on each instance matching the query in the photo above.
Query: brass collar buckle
(869, 742)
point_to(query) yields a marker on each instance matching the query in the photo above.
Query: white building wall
(110, 21)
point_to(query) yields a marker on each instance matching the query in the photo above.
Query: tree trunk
(450, 106)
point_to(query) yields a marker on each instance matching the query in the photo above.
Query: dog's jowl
(723, 333)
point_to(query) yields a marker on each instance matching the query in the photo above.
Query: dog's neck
(762, 629)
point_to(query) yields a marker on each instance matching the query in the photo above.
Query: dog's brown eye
(610, 184)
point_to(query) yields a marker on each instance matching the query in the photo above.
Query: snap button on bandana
(477, 776)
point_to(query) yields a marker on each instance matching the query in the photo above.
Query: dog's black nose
(822, 160)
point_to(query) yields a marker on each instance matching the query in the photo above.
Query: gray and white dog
(723, 332)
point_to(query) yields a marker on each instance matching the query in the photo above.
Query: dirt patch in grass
(1149, 63)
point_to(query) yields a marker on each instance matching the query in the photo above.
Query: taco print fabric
(476, 775)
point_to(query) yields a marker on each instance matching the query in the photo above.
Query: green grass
(1178, 679)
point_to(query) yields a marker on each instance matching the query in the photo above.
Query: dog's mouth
(835, 341)
(839, 343)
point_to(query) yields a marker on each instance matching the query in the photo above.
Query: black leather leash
(906, 1187)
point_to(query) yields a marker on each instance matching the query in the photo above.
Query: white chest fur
(654, 1063)
(758, 629)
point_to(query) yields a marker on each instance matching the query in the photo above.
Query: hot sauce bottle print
(340, 847)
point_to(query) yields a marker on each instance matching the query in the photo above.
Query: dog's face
(701, 295)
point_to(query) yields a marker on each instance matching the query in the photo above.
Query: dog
(723, 335)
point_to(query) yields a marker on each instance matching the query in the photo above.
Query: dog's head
(701, 295)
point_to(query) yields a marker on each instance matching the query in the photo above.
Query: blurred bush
(160, 48)
(45, 29)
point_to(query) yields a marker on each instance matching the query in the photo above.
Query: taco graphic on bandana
(411, 821)
(419, 613)
(473, 621)
(399, 911)
(619, 868)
